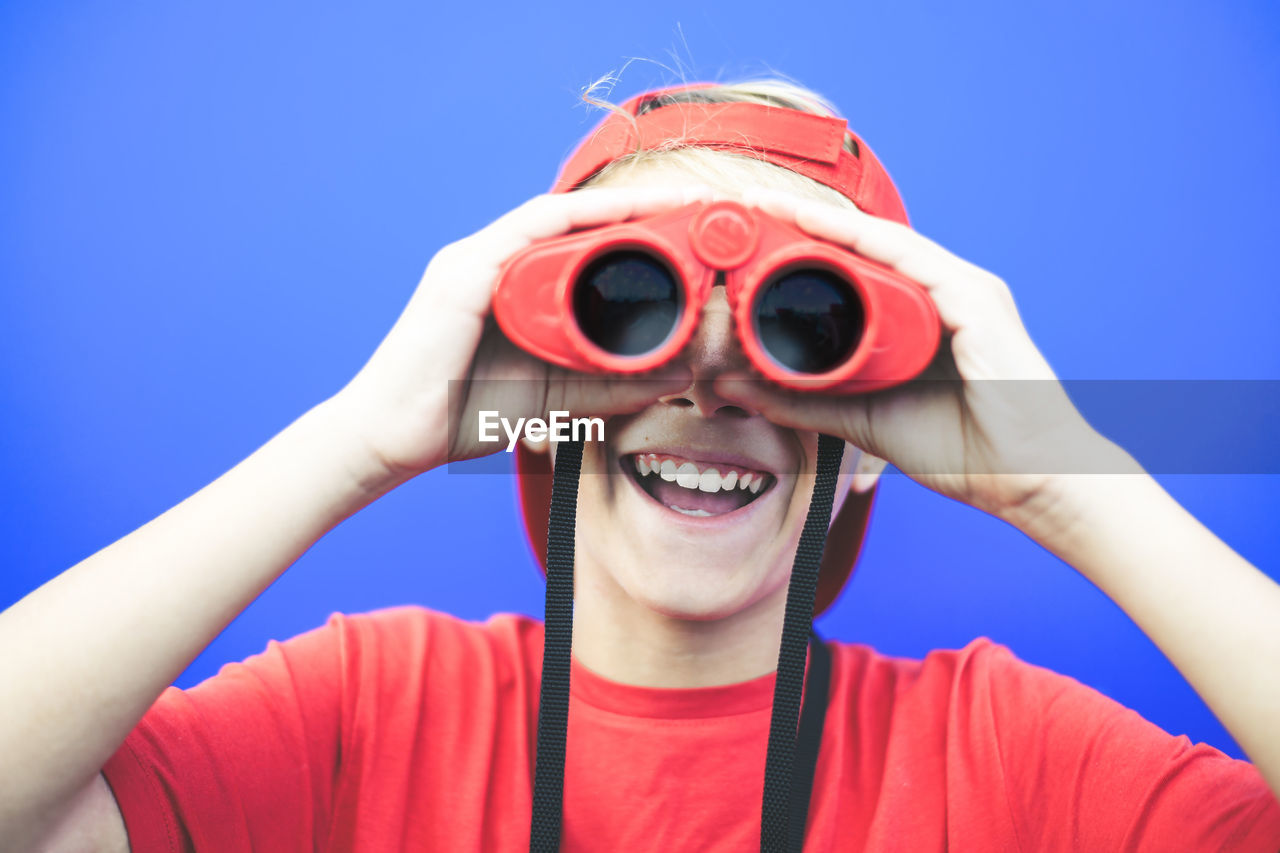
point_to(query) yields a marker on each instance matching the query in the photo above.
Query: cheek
(598, 517)
(848, 464)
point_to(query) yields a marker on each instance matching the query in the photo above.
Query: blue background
(212, 213)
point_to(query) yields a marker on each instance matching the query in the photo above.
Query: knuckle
(990, 281)
(451, 254)
(995, 282)
(541, 203)
(993, 286)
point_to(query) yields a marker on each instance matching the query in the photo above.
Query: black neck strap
(793, 750)
(813, 712)
(553, 703)
(797, 625)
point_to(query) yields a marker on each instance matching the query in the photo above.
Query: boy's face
(700, 547)
(673, 547)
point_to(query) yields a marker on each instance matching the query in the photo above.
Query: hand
(399, 403)
(993, 431)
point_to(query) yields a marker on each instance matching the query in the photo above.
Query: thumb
(844, 416)
(596, 395)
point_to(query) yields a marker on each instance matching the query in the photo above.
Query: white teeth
(686, 475)
(700, 513)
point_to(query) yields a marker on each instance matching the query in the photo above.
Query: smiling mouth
(694, 488)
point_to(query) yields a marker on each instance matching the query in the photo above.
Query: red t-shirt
(411, 730)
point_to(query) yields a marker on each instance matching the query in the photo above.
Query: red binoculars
(626, 298)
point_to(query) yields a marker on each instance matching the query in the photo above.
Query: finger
(551, 215)
(891, 243)
(842, 416)
(461, 275)
(592, 395)
(947, 277)
(971, 301)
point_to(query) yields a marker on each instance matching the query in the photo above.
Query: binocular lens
(627, 303)
(809, 321)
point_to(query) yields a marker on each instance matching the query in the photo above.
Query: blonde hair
(724, 170)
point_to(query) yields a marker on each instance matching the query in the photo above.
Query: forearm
(88, 652)
(1214, 615)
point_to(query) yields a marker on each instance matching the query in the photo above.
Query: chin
(695, 590)
(693, 607)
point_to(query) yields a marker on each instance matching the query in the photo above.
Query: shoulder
(411, 643)
(397, 624)
(984, 692)
(1060, 753)
(981, 664)
(413, 635)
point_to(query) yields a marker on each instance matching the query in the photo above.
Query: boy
(407, 729)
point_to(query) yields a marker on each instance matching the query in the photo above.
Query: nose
(712, 351)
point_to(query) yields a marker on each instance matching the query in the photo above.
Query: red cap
(803, 142)
(811, 145)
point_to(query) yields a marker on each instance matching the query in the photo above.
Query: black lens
(809, 320)
(627, 303)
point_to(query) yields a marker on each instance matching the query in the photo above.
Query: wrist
(339, 437)
(1065, 508)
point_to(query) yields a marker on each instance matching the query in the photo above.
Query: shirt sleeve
(244, 761)
(1086, 773)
